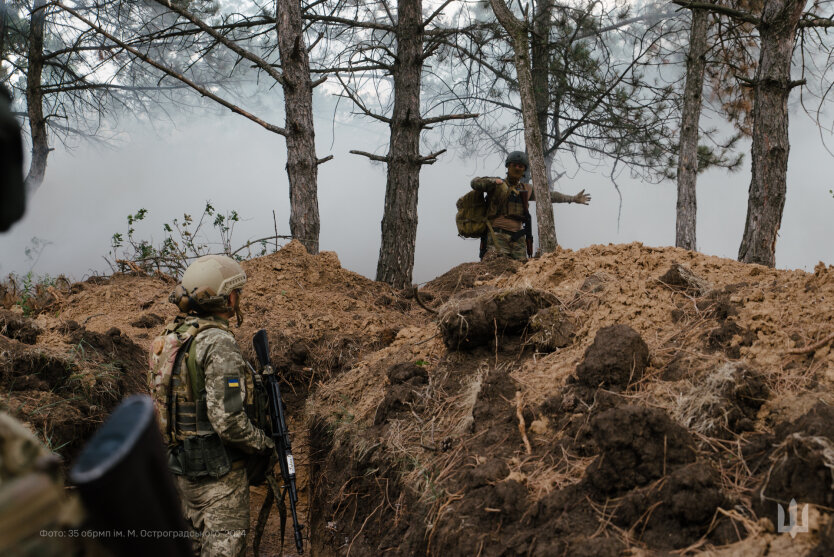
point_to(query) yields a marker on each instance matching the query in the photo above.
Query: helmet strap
(238, 314)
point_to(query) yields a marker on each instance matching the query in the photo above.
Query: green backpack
(471, 217)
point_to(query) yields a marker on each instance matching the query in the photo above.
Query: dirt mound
(65, 393)
(469, 275)
(642, 400)
(617, 358)
(648, 422)
(18, 328)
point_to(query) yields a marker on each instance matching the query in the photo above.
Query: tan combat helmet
(206, 285)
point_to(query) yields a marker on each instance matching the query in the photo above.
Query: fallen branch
(131, 265)
(812, 347)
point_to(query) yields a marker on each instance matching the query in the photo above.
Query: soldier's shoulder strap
(195, 327)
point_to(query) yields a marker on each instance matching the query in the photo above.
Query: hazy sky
(237, 165)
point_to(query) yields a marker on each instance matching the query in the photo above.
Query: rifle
(528, 222)
(280, 434)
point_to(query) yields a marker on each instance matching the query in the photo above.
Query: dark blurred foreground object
(127, 490)
(36, 512)
(12, 200)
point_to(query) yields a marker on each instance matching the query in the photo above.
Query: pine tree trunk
(34, 98)
(541, 69)
(517, 32)
(302, 165)
(766, 198)
(687, 208)
(399, 221)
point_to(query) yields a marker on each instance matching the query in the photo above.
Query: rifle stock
(280, 431)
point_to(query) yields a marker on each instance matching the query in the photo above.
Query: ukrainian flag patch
(233, 383)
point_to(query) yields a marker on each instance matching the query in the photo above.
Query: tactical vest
(177, 384)
(507, 202)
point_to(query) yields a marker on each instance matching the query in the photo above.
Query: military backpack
(471, 218)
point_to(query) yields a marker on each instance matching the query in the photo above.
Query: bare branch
(738, 15)
(436, 13)
(437, 119)
(231, 45)
(432, 158)
(358, 102)
(168, 71)
(371, 156)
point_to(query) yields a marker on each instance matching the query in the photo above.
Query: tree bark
(34, 98)
(769, 156)
(687, 207)
(517, 32)
(399, 221)
(302, 164)
(539, 40)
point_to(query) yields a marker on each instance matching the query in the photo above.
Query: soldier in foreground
(508, 211)
(32, 495)
(209, 435)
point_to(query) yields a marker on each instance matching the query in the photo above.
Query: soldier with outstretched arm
(508, 209)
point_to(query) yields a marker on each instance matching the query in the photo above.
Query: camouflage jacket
(503, 200)
(225, 384)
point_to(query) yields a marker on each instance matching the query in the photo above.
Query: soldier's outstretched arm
(225, 371)
(581, 198)
(486, 184)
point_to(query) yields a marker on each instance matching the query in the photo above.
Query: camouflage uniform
(505, 206)
(35, 510)
(217, 507)
(502, 243)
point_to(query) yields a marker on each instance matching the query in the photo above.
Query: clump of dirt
(18, 327)
(801, 464)
(552, 329)
(481, 316)
(682, 278)
(724, 403)
(617, 358)
(678, 510)
(493, 417)
(148, 321)
(402, 395)
(637, 445)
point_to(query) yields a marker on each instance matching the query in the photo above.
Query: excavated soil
(617, 400)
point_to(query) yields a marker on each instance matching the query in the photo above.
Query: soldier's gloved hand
(582, 198)
(269, 446)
